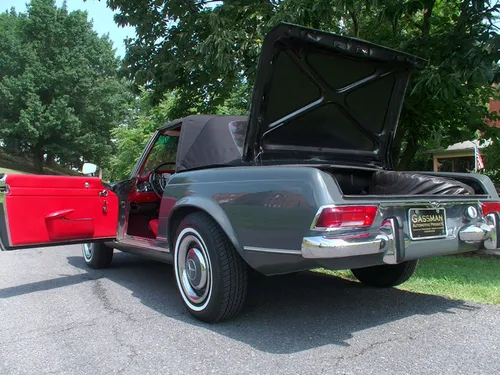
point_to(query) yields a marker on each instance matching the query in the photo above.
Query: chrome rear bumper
(395, 245)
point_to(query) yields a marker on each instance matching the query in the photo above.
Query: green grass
(7, 170)
(462, 278)
(19, 164)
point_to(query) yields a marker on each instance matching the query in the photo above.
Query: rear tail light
(346, 217)
(489, 207)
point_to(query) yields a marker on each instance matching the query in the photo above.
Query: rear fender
(213, 209)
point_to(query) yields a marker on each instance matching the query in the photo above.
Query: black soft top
(210, 140)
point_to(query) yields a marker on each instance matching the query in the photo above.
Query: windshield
(163, 151)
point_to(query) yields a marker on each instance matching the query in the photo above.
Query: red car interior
(59, 208)
(144, 208)
(145, 197)
(153, 225)
(142, 197)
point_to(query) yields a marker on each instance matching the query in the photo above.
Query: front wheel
(210, 274)
(386, 276)
(97, 255)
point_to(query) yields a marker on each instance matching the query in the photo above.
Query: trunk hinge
(258, 157)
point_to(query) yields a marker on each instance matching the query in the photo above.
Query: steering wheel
(157, 180)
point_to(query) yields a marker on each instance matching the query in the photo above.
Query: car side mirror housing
(89, 168)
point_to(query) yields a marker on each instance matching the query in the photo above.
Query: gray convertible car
(304, 181)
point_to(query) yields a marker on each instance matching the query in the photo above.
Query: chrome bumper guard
(392, 242)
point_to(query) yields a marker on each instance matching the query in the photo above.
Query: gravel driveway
(58, 317)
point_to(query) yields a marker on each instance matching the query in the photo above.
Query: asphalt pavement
(59, 317)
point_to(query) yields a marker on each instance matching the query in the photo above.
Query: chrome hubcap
(193, 269)
(87, 251)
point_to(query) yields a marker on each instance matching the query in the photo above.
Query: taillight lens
(489, 207)
(346, 217)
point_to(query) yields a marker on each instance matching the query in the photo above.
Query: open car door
(40, 210)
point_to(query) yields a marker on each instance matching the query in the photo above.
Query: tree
(132, 135)
(59, 92)
(205, 49)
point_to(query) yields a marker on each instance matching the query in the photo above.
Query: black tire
(97, 255)
(386, 276)
(210, 275)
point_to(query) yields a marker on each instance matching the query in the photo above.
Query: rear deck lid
(323, 97)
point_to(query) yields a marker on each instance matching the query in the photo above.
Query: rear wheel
(210, 275)
(97, 255)
(386, 276)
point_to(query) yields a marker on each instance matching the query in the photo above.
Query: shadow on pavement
(284, 314)
(64, 280)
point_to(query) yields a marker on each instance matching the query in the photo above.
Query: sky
(98, 12)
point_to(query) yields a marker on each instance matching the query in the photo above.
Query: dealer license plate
(427, 223)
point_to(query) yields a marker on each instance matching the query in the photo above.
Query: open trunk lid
(324, 97)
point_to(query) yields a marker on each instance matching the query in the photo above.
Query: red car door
(40, 210)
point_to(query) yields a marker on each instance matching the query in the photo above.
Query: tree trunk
(355, 23)
(38, 160)
(408, 155)
(50, 159)
(426, 26)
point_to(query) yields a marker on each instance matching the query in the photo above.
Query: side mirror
(89, 168)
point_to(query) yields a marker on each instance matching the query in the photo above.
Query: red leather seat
(153, 225)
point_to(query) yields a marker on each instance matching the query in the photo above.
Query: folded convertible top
(407, 183)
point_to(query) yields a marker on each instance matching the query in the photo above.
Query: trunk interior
(366, 182)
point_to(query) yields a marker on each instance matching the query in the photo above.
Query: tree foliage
(59, 92)
(132, 135)
(207, 50)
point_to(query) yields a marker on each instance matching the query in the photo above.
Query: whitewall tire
(210, 275)
(97, 254)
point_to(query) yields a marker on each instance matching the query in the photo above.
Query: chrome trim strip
(434, 203)
(143, 243)
(316, 217)
(274, 251)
